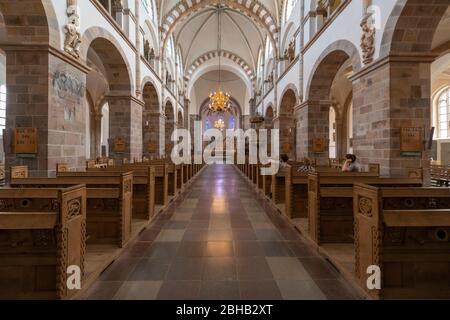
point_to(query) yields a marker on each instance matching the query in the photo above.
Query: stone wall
(67, 115)
(27, 80)
(386, 98)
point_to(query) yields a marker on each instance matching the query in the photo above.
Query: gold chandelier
(219, 124)
(219, 100)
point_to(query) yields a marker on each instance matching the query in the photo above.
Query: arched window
(148, 6)
(2, 108)
(350, 128)
(332, 133)
(290, 5)
(443, 113)
(269, 48)
(170, 48)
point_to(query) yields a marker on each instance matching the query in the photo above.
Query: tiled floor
(220, 242)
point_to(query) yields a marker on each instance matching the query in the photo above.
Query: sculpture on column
(146, 50)
(117, 5)
(291, 51)
(151, 55)
(73, 37)
(367, 38)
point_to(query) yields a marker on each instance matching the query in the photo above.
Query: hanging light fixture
(219, 100)
(219, 124)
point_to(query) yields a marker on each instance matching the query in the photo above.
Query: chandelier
(219, 100)
(219, 124)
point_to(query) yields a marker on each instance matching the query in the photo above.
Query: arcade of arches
(85, 83)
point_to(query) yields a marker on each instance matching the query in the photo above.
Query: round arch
(215, 54)
(227, 66)
(396, 37)
(111, 53)
(327, 66)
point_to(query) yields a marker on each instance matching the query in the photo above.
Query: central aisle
(218, 242)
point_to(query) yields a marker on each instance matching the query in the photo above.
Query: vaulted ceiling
(245, 24)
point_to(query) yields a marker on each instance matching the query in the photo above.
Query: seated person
(284, 158)
(306, 166)
(350, 164)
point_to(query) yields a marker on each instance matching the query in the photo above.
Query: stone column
(125, 122)
(312, 119)
(96, 127)
(285, 125)
(138, 49)
(42, 99)
(391, 94)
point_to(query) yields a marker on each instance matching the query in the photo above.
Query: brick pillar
(312, 122)
(154, 123)
(39, 97)
(125, 121)
(27, 106)
(391, 95)
(286, 126)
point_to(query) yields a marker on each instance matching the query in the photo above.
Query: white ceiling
(197, 34)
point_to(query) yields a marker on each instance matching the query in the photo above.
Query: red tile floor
(218, 241)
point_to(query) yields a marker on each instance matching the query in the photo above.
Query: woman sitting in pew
(350, 164)
(306, 167)
(284, 158)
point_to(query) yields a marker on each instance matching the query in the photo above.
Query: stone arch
(285, 36)
(119, 73)
(28, 22)
(169, 113)
(153, 35)
(411, 26)
(269, 115)
(252, 8)
(152, 120)
(327, 66)
(285, 122)
(293, 96)
(225, 54)
(236, 113)
(180, 119)
(148, 80)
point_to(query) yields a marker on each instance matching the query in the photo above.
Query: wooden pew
(161, 178)
(172, 172)
(278, 185)
(440, 175)
(42, 232)
(109, 203)
(404, 231)
(330, 204)
(143, 188)
(295, 191)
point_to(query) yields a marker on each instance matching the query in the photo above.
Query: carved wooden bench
(109, 203)
(42, 233)
(161, 178)
(404, 231)
(143, 187)
(330, 204)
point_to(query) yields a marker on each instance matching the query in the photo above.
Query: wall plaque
(286, 147)
(25, 141)
(319, 145)
(120, 145)
(151, 148)
(411, 141)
